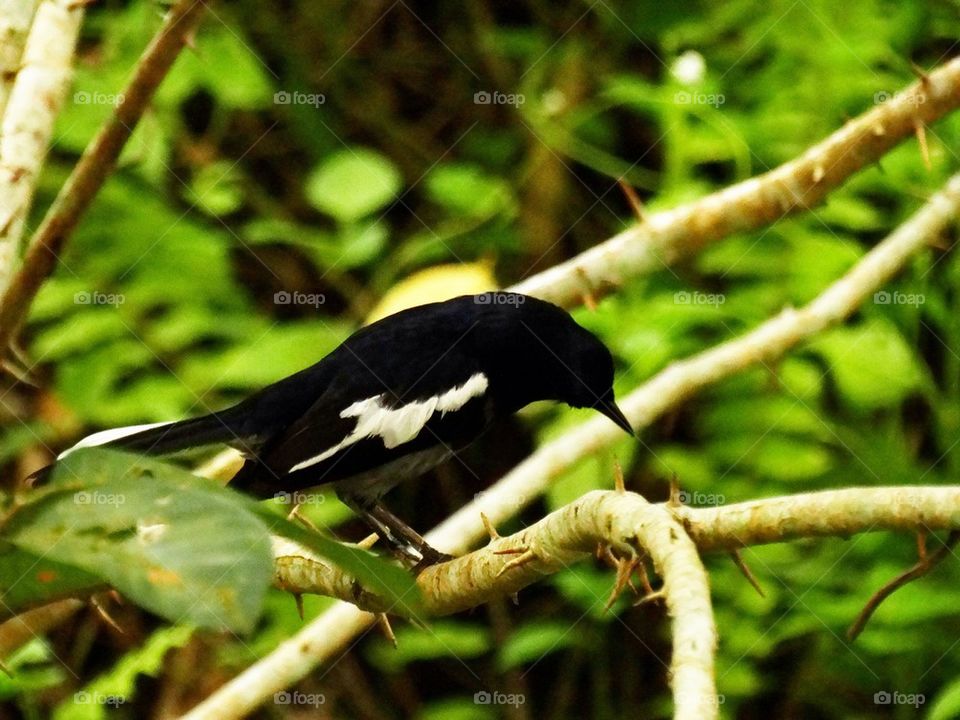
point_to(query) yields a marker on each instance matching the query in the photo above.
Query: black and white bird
(395, 399)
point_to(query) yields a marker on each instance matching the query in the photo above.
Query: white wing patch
(105, 436)
(402, 424)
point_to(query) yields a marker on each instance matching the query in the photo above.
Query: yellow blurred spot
(163, 576)
(435, 284)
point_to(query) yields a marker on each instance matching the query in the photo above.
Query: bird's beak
(609, 408)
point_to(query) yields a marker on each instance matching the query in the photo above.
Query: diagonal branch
(40, 67)
(95, 166)
(800, 184)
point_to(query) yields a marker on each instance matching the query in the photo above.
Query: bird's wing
(357, 425)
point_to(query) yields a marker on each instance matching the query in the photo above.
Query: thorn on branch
(921, 74)
(625, 568)
(618, 483)
(368, 542)
(105, 615)
(674, 500)
(587, 294)
(295, 514)
(926, 563)
(921, 132)
(636, 205)
(655, 596)
(747, 573)
(384, 622)
(527, 556)
(298, 599)
(491, 530)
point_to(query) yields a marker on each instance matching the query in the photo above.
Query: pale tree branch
(665, 237)
(19, 630)
(38, 71)
(572, 532)
(95, 166)
(15, 19)
(625, 521)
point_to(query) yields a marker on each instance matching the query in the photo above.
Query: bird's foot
(429, 556)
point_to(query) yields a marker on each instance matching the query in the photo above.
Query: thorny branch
(665, 237)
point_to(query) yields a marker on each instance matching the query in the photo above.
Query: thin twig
(94, 166)
(923, 566)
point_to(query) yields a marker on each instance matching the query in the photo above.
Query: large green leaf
(182, 548)
(30, 579)
(179, 546)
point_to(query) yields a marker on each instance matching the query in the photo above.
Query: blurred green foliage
(333, 149)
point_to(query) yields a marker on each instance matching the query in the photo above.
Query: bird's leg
(401, 538)
(409, 536)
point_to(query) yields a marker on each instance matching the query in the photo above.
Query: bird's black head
(536, 351)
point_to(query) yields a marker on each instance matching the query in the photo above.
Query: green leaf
(533, 641)
(33, 667)
(181, 547)
(356, 244)
(871, 363)
(115, 687)
(352, 184)
(443, 639)
(267, 355)
(31, 579)
(457, 709)
(224, 64)
(216, 188)
(946, 704)
(466, 189)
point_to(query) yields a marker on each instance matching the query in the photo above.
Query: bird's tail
(168, 437)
